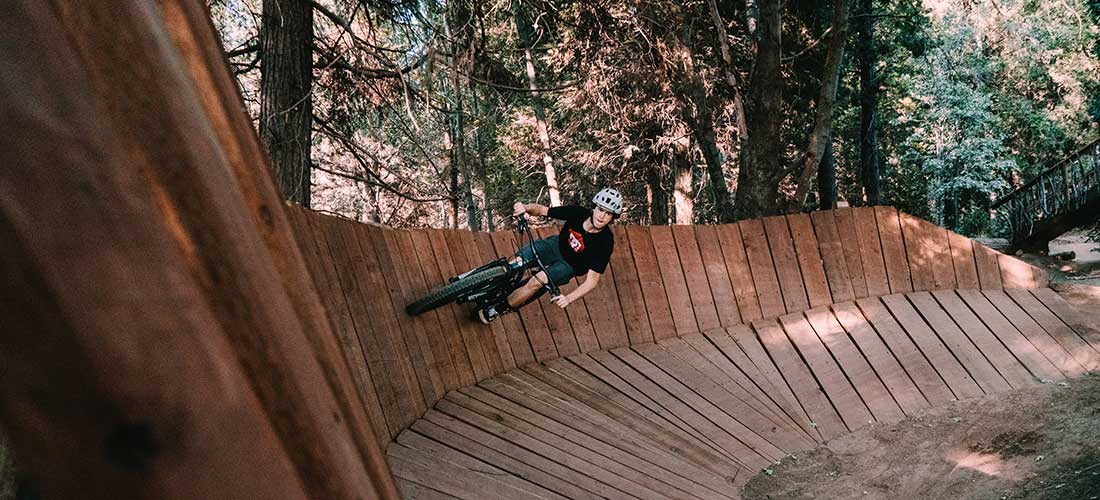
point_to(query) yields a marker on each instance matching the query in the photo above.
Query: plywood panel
(809, 260)
(672, 275)
(737, 263)
(870, 251)
(786, 264)
(962, 257)
(763, 270)
(698, 283)
(846, 226)
(714, 264)
(832, 255)
(629, 292)
(893, 249)
(651, 281)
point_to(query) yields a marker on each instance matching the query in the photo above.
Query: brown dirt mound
(1041, 443)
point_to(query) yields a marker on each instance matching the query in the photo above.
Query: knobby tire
(447, 293)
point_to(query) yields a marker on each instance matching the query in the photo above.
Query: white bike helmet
(610, 200)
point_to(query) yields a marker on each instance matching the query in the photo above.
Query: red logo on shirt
(576, 241)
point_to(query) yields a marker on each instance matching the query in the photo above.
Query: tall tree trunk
(461, 53)
(526, 39)
(826, 179)
(823, 119)
(730, 72)
(656, 195)
(682, 196)
(868, 99)
(483, 169)
(761, 165)
(286, 107)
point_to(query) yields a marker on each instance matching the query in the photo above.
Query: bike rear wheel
(448, 293)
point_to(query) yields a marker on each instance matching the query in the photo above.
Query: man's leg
(527, 292)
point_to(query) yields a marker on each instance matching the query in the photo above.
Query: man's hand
(519, 208)
(561, 300)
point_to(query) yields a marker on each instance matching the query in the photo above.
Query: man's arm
(530, 209)
(590, 281)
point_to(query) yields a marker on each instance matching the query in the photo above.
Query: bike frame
(496, 291)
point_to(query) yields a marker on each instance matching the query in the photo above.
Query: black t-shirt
(581, 249)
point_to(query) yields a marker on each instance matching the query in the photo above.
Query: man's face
(601, 218)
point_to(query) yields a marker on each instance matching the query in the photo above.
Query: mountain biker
(582, 247)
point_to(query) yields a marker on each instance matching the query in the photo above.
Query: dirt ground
(1035, 444)
(1041, 443)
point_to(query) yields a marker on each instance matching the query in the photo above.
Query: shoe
(488, 314)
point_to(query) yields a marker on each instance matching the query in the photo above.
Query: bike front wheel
(448, 293)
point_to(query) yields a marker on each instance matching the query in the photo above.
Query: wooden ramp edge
(696, 416)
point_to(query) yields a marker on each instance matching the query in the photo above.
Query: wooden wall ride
(663, 283)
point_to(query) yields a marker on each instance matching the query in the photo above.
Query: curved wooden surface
(697, 416)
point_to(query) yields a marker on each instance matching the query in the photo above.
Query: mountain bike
(489, 284)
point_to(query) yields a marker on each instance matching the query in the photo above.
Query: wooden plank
(786, 264)
(659, 401)
(415, 491)
(417, 338)
(1019, 345)
(943, 268)
(514, 333)
(809, 392)
(832, 380)
(965, 348)
(870, 251)
(463, 482)
(857, 368)
(561, 330)
(962, 258)
(414, 245)
(714, 264)
(455, 262)
(450, 315)
(1016, 273)
(734, 415)
(737, 263)
(629, 294)
(698, 350)
(467, 256)
(832, 255)
(893, 249)
(945, 358)
(846, 225)
(348, 260)
(344, 327)
(1086, 327)
(534, 332)
(1055, 352)
(922, 373)
(502, 454)
(989, 270)
(587, 391)
(736, 442)
(470, 465)
(399, 329)
(745, 340)
(1057, 328)
(1009, 367)
(618, 441)
(698, 283)
(651, 281)
(483, 246)
(675, 284)
(905, 393)
(454, 374)
(919, 249)
(614, 472)
(809, 260)
(768, 291)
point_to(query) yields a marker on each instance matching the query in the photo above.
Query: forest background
(442, 113)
